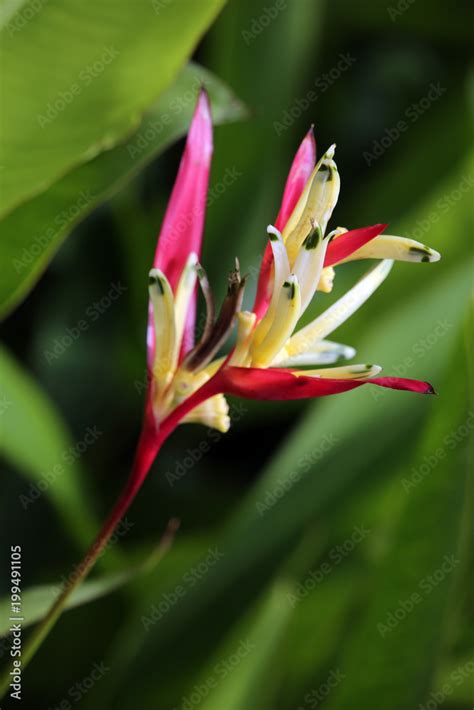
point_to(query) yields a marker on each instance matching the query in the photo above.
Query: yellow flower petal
(166, 346)
(286, 317)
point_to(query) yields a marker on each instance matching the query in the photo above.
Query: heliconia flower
(189, 380)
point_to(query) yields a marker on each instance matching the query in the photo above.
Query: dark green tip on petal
(292, 289)
(326, 172)
(313, 238)
(424, 253)
(155, 280)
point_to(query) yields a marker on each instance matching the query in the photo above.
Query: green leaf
(34, 440)
(32, 233)
(403, 629)
(97, 68)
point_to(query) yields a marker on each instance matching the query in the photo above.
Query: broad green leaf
(402, 630)
(97, 68)
(32, 233)
(34, 440)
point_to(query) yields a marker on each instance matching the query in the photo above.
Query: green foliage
(97, 60)
(35, 440)
(35, 230)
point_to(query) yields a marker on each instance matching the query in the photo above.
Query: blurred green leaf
(455, 682)
(36, 601)
(33, 232)
(242, 670)
(403, 628)
(97, 68)
(34, 440)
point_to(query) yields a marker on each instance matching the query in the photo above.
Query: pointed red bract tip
(402, 383)
(182, 228)
(200, 132)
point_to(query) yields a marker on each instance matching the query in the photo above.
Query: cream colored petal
(350, 372)
(286, 317)
(386, 246)
(301, 204)
(322, 199)
(166, 350)
(325, 352)
(281, 273)
(213, 413)
(309, 265)
(245, 326)
(340, 311)
(326, 280)
(184, 293)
